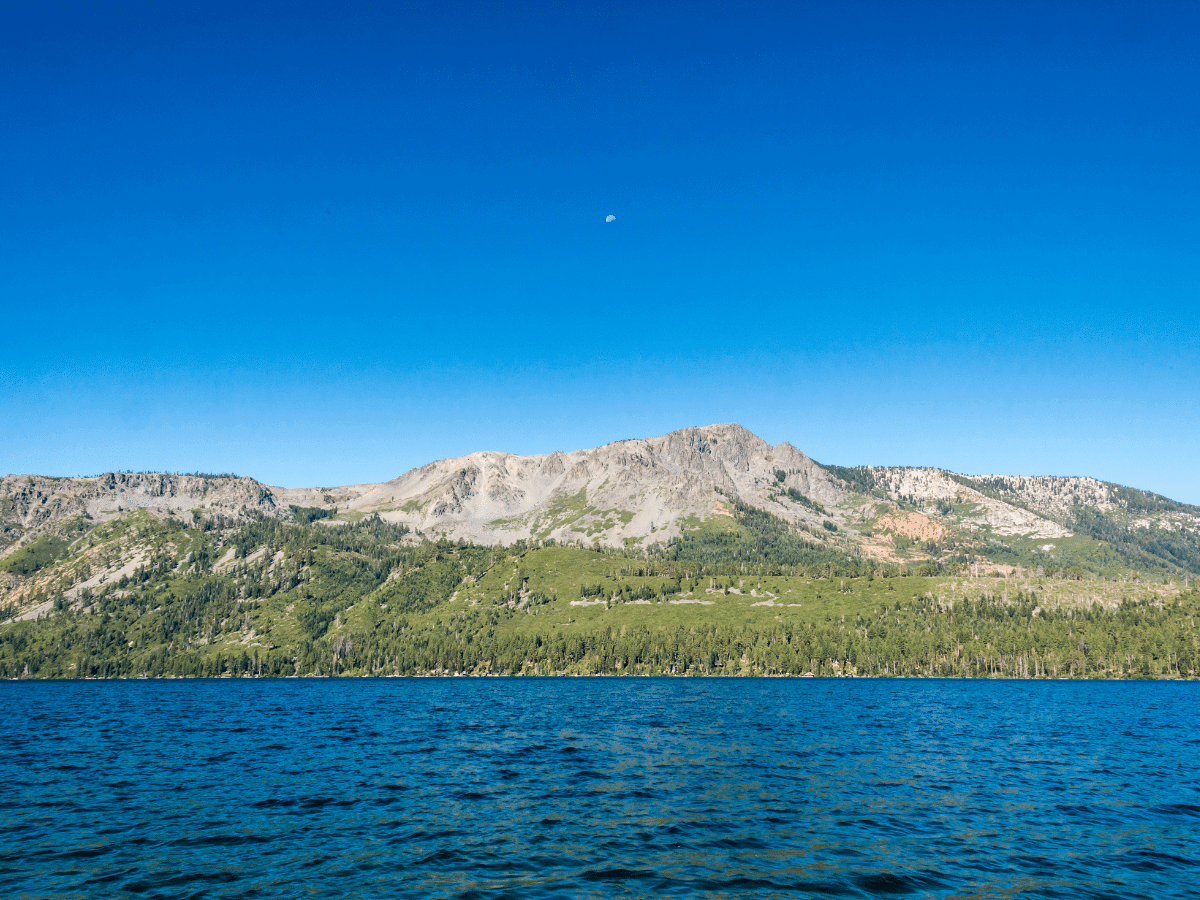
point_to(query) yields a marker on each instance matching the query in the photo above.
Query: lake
(488, 788)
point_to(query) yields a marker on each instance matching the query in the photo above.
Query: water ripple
(599, 788)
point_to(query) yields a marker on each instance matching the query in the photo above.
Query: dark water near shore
(599, 788)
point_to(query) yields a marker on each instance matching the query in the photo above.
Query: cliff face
(32, 505)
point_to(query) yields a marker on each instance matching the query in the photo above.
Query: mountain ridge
(646, 493)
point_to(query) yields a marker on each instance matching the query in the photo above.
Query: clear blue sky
(324, 244)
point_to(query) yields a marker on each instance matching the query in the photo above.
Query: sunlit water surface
(599, 788)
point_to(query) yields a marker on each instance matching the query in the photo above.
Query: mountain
(646, 494)
(627, 492)
(35, 505)
(703, 551)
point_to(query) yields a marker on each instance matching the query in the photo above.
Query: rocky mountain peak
(637, 493)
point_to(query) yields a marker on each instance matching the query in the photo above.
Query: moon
(610, 219)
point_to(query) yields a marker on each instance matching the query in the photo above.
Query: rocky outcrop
(970, 507)
(32, 505)
(1049, 495)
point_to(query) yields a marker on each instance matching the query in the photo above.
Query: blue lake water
(599, 788)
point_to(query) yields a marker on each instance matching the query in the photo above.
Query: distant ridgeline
(1113, 530)
(145, 595)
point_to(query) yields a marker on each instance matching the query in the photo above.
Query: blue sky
(325, 244)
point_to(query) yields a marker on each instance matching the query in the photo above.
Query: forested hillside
(742, 594)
